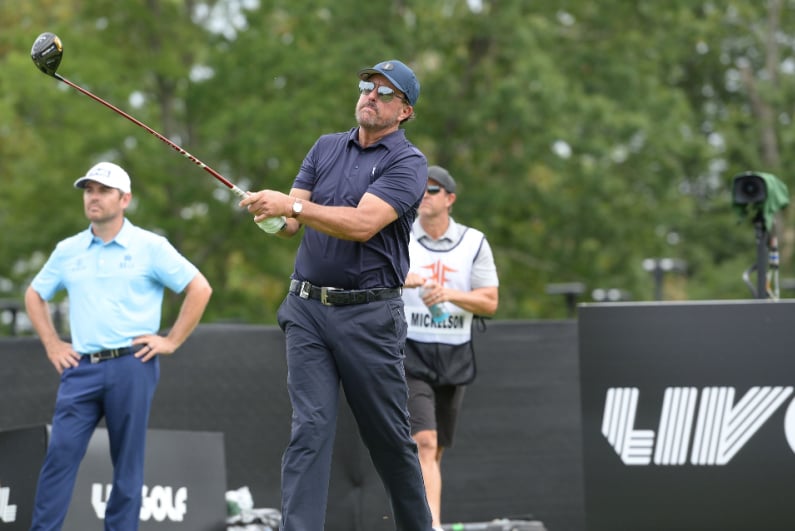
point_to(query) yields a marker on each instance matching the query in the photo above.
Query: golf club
(47, 52)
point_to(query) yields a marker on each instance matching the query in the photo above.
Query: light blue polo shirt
(115, 289)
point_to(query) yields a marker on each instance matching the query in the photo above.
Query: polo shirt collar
(122, 238)
(391, 141)
(450, 234)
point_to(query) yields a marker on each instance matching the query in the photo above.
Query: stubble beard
(99, 215)
(374, 121)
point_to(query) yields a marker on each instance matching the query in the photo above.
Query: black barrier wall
(518, 448)
(183, 490)
(689, 415)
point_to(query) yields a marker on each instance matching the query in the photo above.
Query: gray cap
(443, 177)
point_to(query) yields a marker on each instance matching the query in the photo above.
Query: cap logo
(99, 172)
(388, 66)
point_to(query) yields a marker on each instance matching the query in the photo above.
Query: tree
(585, 136)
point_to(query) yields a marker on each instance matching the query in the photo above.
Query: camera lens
(749, 189)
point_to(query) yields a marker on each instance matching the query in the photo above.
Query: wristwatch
(298, 207)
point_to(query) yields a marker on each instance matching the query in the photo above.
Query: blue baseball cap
(399, 75)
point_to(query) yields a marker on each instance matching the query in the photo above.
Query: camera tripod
(766, 266)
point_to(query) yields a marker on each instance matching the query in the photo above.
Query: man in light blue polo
(114, 274)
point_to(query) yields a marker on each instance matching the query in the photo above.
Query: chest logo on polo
(77, 265)
(126, 263)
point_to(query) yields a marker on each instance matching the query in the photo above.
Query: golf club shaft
(176, 148)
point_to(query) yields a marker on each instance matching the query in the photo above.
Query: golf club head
(47, 52)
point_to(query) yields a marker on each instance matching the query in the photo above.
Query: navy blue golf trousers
(359, 346)
(121, 390)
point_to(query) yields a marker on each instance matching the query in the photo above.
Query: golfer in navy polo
(355, 196)
(115, 274)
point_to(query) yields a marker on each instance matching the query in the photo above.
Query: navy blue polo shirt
(339, 172)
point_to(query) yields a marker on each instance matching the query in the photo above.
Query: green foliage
(585, 136)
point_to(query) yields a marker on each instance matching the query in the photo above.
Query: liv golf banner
(688, 415)
(184, 483)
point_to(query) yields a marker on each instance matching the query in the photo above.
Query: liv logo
(8, 512)
(718, 427)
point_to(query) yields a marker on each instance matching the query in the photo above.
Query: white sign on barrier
(8, 512)
(184, 483)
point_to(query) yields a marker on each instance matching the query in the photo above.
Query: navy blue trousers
(360, 347)
(121, 390)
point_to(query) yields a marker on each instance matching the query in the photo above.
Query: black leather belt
(342, 297)
(112, 353)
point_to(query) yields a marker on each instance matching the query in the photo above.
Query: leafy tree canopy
(586, 136)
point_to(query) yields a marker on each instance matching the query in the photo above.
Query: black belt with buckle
(112, 353)
(342, 297)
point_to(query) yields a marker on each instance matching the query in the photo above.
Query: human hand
(433, 293)
(413, 280)
(62, 356)
(267, 204)
(153, 345)
(269, 224)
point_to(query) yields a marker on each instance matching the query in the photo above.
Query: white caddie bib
(451, 268)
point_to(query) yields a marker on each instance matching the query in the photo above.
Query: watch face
(298, 207)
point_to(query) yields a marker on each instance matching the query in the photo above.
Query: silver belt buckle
(324, 295)
(304, 291)
(94, 358)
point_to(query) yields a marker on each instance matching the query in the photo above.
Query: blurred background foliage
(585, 136)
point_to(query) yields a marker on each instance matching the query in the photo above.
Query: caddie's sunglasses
(433, 190)
(385, 94)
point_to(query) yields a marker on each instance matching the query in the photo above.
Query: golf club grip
(269, 225)
(171, 144)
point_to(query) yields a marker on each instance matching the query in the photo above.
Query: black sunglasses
(385, 94)
(433, 190)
